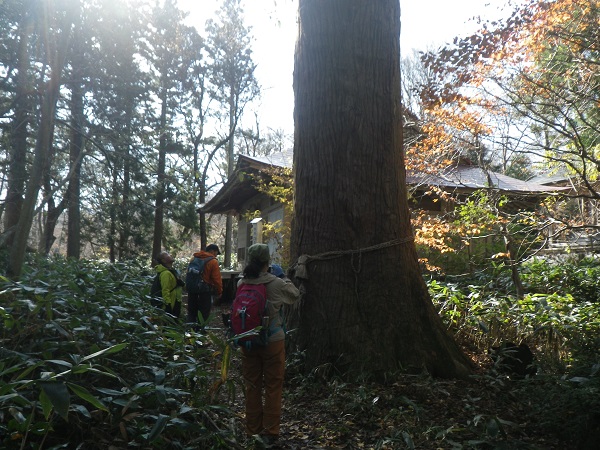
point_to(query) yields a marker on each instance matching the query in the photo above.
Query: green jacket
(171, 291)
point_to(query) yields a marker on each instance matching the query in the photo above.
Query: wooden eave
(240, 187)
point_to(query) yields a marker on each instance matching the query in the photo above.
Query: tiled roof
(279, 159)
(239, 188)
(473, 177)
(556, 176)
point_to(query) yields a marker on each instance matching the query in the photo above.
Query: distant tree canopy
(525, 92)
(115, 117)
(519, 97)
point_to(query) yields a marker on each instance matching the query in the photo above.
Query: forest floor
(486, 411)
(417, 412)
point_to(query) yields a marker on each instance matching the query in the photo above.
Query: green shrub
(577, 278)
(85, 359)
(562, 332)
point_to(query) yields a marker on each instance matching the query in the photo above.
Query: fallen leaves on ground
(419, 412)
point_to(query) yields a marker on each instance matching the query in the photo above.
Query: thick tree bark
(72, 195)
(366, 306)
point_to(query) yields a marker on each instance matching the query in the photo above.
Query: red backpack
(249, 311)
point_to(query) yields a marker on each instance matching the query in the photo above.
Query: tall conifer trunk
(17, 168)
(366, 306)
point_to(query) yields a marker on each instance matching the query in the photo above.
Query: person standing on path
(170, 283)
(264, 367)
(202, 302)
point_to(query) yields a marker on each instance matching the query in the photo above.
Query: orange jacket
(212, 273)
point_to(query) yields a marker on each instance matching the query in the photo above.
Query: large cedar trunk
(366, 306)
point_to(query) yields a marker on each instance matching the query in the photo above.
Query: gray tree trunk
(75, 156)
(57, 41)
(17, 168)
(233, 112)
(160, 190)
(43, 143)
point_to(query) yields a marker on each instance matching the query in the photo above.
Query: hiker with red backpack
(202, 282)
(263, 359)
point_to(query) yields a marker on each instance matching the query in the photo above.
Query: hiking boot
(265, 440)
(269, 440)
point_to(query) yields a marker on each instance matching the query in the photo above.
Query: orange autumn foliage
(544, 59)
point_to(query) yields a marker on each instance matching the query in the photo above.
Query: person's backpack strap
(178, 281)
(205, 261)
(194, 279)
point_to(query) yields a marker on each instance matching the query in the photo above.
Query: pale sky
(424, 24)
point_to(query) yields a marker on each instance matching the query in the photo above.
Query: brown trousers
(264, 368)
